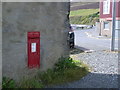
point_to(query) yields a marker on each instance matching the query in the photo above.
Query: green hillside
(83, 12)
(85, 18)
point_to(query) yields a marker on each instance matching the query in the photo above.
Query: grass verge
(89, 19)
(83, 12)
(8, 83)
(65, 70)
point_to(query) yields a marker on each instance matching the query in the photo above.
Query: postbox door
(33, 52)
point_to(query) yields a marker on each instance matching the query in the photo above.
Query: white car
(90, 26)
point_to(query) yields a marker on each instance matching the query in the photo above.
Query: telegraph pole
(113, 25)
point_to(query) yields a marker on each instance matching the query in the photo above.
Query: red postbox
(33, 49)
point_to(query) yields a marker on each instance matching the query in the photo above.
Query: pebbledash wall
(50, 18)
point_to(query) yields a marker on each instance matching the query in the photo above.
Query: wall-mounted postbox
(33, 49)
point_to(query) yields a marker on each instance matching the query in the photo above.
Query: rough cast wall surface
(51, 19)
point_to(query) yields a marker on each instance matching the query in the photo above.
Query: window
(106, 25)
(106, 7)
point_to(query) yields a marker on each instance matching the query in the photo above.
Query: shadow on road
(94, 80)
(81, 48)
(75, 51)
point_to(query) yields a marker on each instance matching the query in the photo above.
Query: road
(83, 39)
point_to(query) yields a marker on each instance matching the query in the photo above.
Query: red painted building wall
(110, 15)
(118, 9)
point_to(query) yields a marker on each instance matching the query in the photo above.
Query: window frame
(106, 7)
(108, 27)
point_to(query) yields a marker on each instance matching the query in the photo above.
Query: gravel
(104, 72)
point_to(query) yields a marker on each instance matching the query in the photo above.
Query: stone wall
(51, 19)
